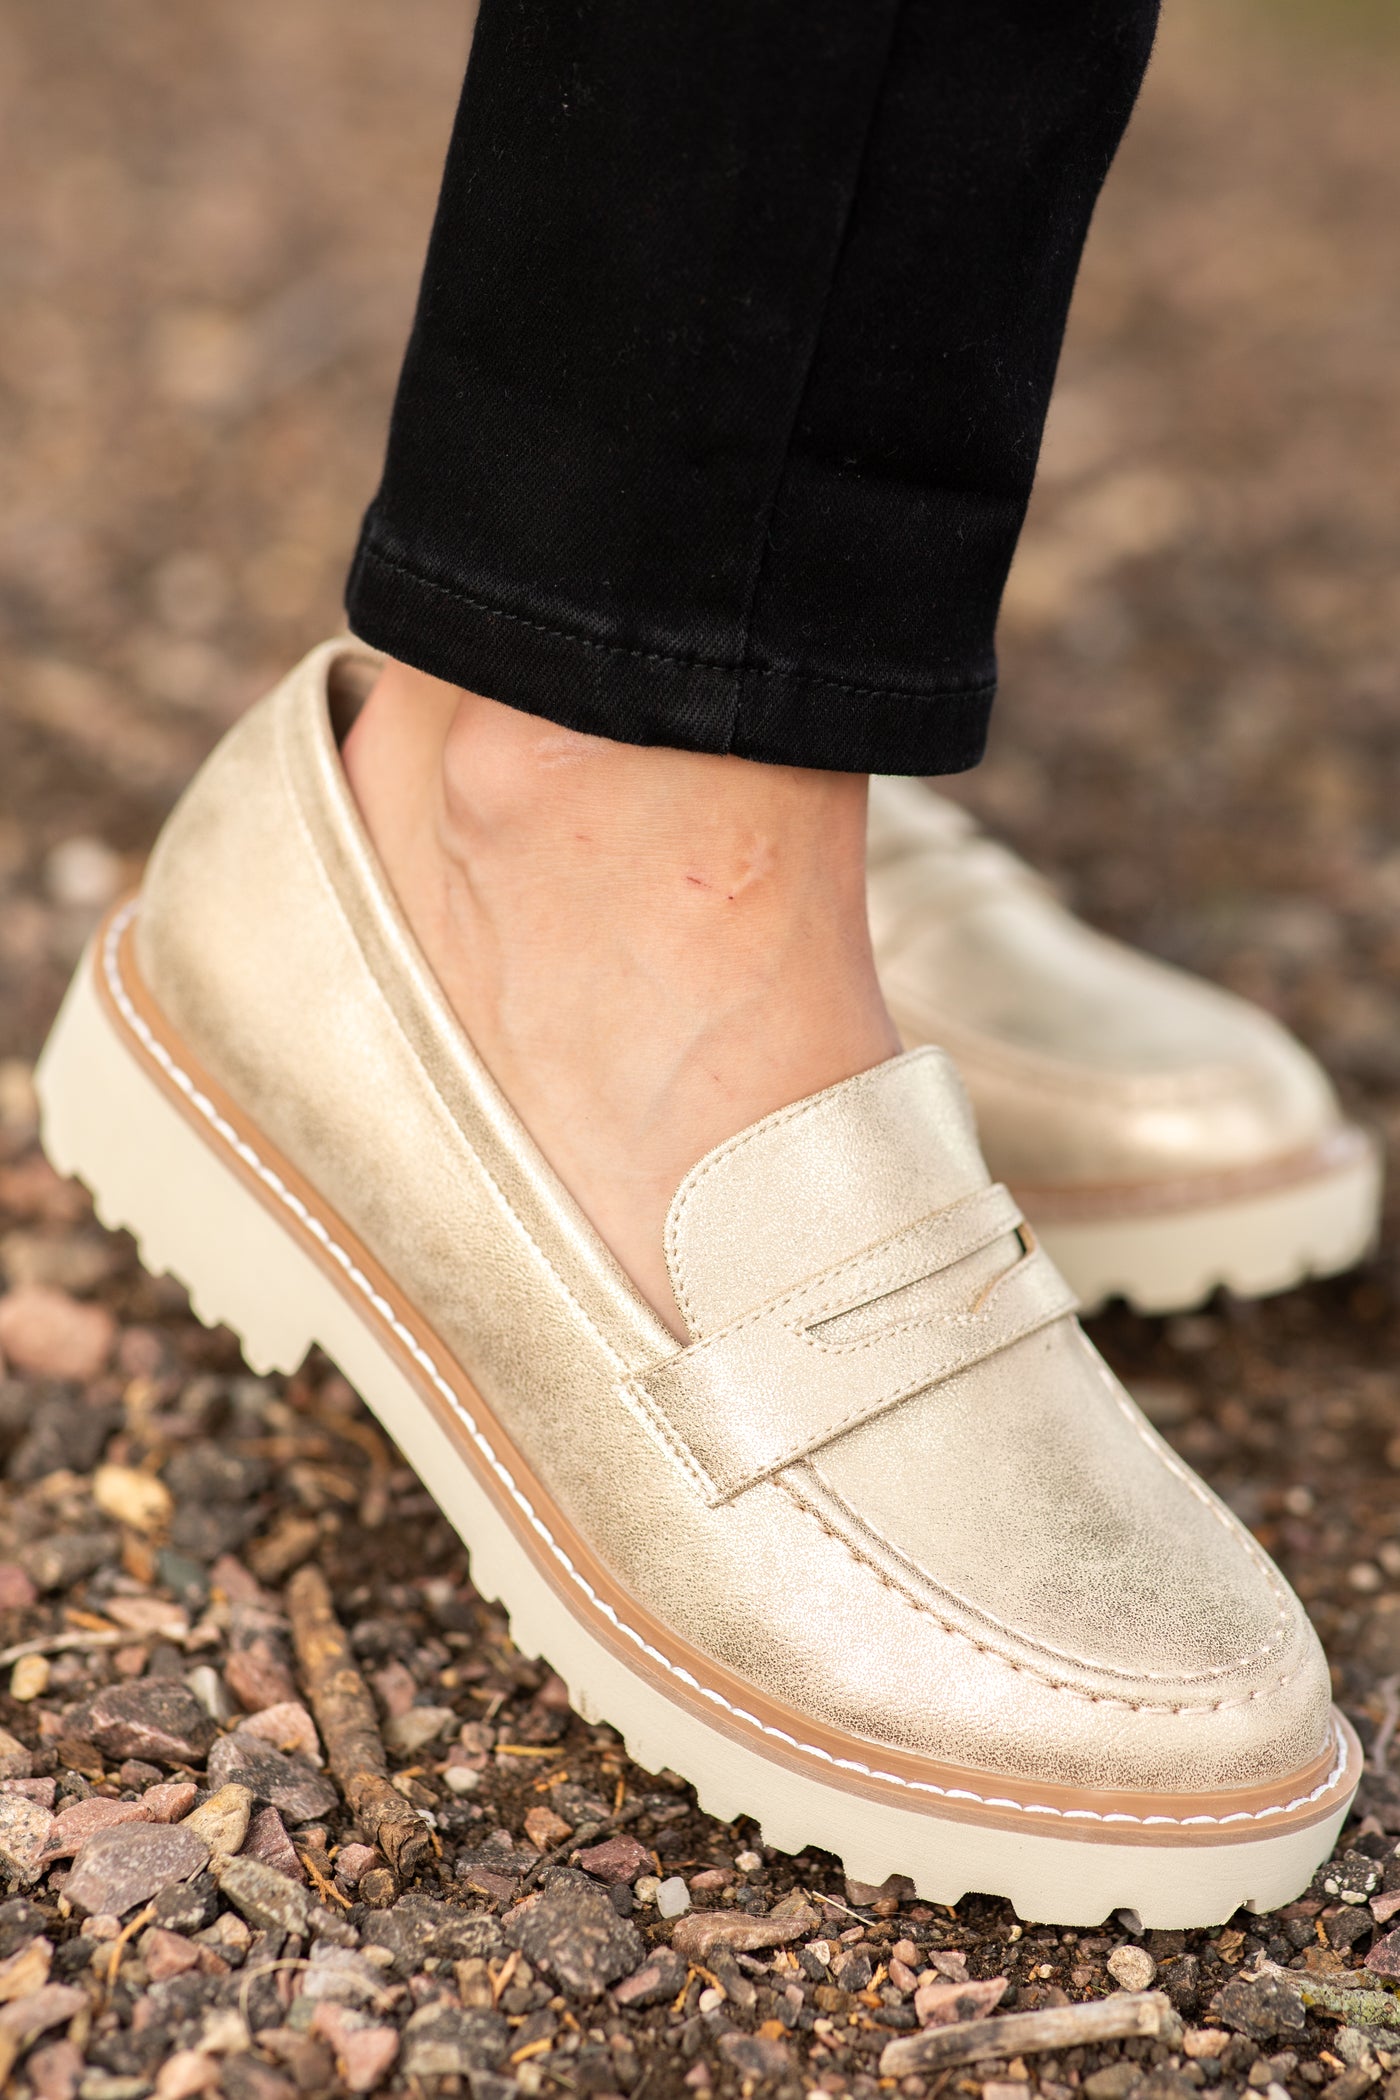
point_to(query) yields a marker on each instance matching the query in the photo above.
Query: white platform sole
(153, 1170)
(1254, 1246)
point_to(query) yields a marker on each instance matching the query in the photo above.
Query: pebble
(166, 1953)
(352, 1861)
(169, 1800)
(411, 1732)
(672, 1897)
(543, 1827)
(758, 2055)
(573, 1933)
(1132, 1967)
(942, 2004)
(25, 2019)
(210, 1690)
(705, 1932)
(51, 1335)
(121, 1867)
(157, 1719)
(748, 1862)
(259, 1679)
(187, 2072)
(445, 2040)
(266, 1898)
(82, 873)
(289, 1783)
(17, 1592)
(365, 2057)
(287, 1726)
(16, 1762)
(616, 1861)
(132, 1497)
(1260, 2007)
(187, 1906)
(1384, 1957)
(149, 1615)
(54, 2070)
(75, 1824)
(461, 1779)
(222, 1820)
(364, 2052)
(24, 1831)
(420, 1927)
(267, 1840)
(26, 1970)
(65, 1557)
(29, 1678)
(657, 1982)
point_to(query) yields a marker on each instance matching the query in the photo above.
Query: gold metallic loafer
(1162, 1135)
(883, 1556)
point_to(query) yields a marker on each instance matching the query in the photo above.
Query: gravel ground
(210, 221)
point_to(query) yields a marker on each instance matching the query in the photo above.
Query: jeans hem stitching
(370, 555)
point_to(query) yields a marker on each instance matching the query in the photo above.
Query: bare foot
(649, 948)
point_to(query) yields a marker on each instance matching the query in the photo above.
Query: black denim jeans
(737, 331)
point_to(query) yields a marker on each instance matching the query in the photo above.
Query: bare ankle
(650, 948)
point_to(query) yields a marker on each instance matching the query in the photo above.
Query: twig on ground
(345, 1713)
(1126, 2014)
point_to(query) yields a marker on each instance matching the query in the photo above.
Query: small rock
(29, 1678)
(17, 1592)
(894, 1889)
(543, 1827)
(132, 1497)
(657, 1982)
(289, 1783)
(420, 1927)
(25, 2019)
(672, 1897)
(266, 1898)
(267, 1840)
(411, 1732)
(1352, 1878)
(616, 1861)
(54, 2071)
(287, 1726)
(365, 2056)
(756, 2055)
(352, 1861)
(187, 2072)
(76, 1824)
(1132, 1967)
(705, 1932)
(1260, 2007)
(1113, 2082)
(211, 1691)
(57, 1562)
(1384, 1957)
(259, 1679)
(573, 1932)
(445, 2040)
(169, 1801)
(186, 1906)
(15, 1761)
(26, 1970)
(222, 1820)
(1205, 2044)
(156, 1616)
(943, 2004)
(166, 1953)
(24, 1831)
(157, 1719)
(121, 1867)
(47, 1333)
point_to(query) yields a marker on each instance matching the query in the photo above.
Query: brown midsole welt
(1147, 1819)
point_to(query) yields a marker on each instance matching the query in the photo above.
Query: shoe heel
(105, 1120)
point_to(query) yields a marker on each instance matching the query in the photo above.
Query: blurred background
(211, 220)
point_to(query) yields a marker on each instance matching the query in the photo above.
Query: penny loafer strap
(781, 1381)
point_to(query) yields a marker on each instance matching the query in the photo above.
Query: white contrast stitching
(273, 1182)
